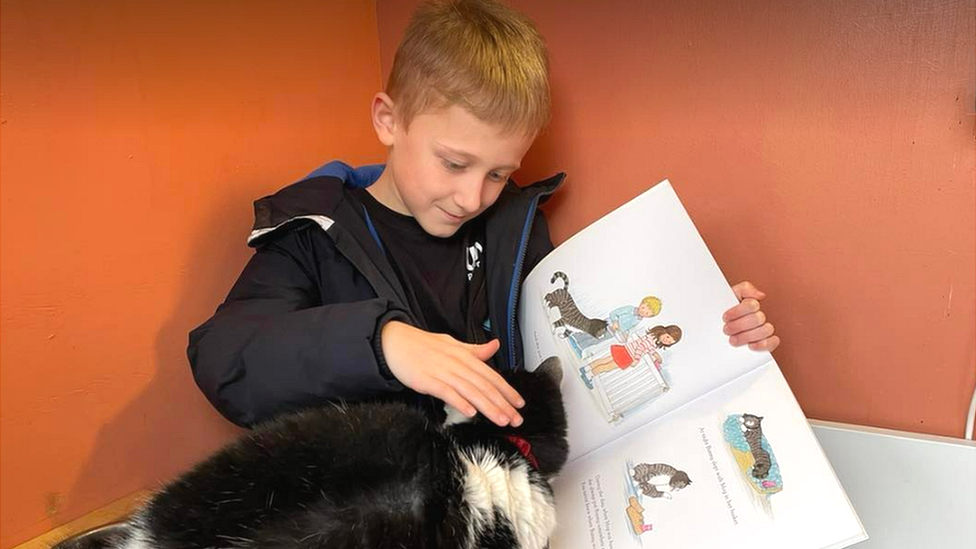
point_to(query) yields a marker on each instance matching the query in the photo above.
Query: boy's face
(446, 168)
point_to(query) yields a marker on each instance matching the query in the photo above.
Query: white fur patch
(488, 485)
(454, 416)
(138, 536)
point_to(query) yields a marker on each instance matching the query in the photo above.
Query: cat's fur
(644, 475)
(569, 313)
(752, 429)
(367, 476)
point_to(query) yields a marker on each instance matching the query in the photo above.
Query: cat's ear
(551, 367)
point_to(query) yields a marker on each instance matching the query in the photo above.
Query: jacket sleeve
(275, 345)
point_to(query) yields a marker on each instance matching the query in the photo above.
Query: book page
(739, 467)
(633, 307)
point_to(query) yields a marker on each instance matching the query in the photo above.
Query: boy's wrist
(377, 341)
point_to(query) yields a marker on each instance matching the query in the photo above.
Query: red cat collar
(524, 447)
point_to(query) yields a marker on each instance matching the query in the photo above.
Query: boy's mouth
(452, 217)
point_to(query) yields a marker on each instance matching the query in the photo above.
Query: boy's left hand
(746, 324)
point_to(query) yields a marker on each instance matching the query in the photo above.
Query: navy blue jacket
(301, 324)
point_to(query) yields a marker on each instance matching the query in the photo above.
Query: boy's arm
(454, 371)
(616, 315)
(272, 346)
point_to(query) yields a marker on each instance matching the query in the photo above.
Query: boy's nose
(468, 196)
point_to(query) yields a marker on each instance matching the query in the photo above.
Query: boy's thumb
(485, 351)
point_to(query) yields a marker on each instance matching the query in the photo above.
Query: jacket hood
(312, 198)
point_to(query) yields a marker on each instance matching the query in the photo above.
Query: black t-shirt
(443, 277)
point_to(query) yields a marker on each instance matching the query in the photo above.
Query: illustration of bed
(754, 456)
(622, 392)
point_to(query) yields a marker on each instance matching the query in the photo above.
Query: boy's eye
(453, 166)
(497, 177)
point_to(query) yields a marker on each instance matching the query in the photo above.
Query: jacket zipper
(517, 275)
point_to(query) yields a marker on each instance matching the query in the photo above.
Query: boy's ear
(384, 121)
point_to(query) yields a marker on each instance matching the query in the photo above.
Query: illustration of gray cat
(569, 313)
(658, 480)
(752, 429)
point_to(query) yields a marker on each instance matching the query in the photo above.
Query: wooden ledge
(112, 512)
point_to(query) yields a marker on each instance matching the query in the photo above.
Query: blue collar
(360, 177)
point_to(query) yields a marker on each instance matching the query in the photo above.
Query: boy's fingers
(502, 401)
(752, 336)
(477, 364)
(478, 376)
(745, 289)
(747, 322)
(492, 385)
(471, 393)
(748, 306)
(506, 390)
(443, 391)
(768, 344)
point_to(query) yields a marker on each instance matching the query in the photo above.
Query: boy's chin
(439, 230)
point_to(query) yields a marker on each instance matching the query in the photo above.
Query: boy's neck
(385, 192)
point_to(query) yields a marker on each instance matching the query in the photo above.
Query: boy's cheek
(493, 193)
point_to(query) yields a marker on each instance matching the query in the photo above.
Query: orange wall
(135, 136)
(825, 151)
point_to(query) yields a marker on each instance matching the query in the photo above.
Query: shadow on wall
(171, 413)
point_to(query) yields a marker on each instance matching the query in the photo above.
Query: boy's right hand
(451, 370)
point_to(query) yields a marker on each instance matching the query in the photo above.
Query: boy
(401, 281)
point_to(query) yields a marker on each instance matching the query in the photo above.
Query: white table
(909, 490)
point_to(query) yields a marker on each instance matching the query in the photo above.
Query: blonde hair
(478, 54)
(652, 303)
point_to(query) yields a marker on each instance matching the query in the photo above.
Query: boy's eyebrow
(469, 157)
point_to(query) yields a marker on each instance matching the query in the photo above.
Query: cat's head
(760, 470)
(679, 480)
(544, 418)
(751, 421)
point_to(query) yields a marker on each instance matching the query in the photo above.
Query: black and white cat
(368, 475)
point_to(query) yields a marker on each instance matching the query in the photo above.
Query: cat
(569, 313)
(752, 429)
(376, 475)
(645, 474)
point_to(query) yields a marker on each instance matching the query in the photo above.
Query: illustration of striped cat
(652, 477)
(752, 429)
(569, 313)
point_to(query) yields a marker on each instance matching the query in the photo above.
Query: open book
(677, 439)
